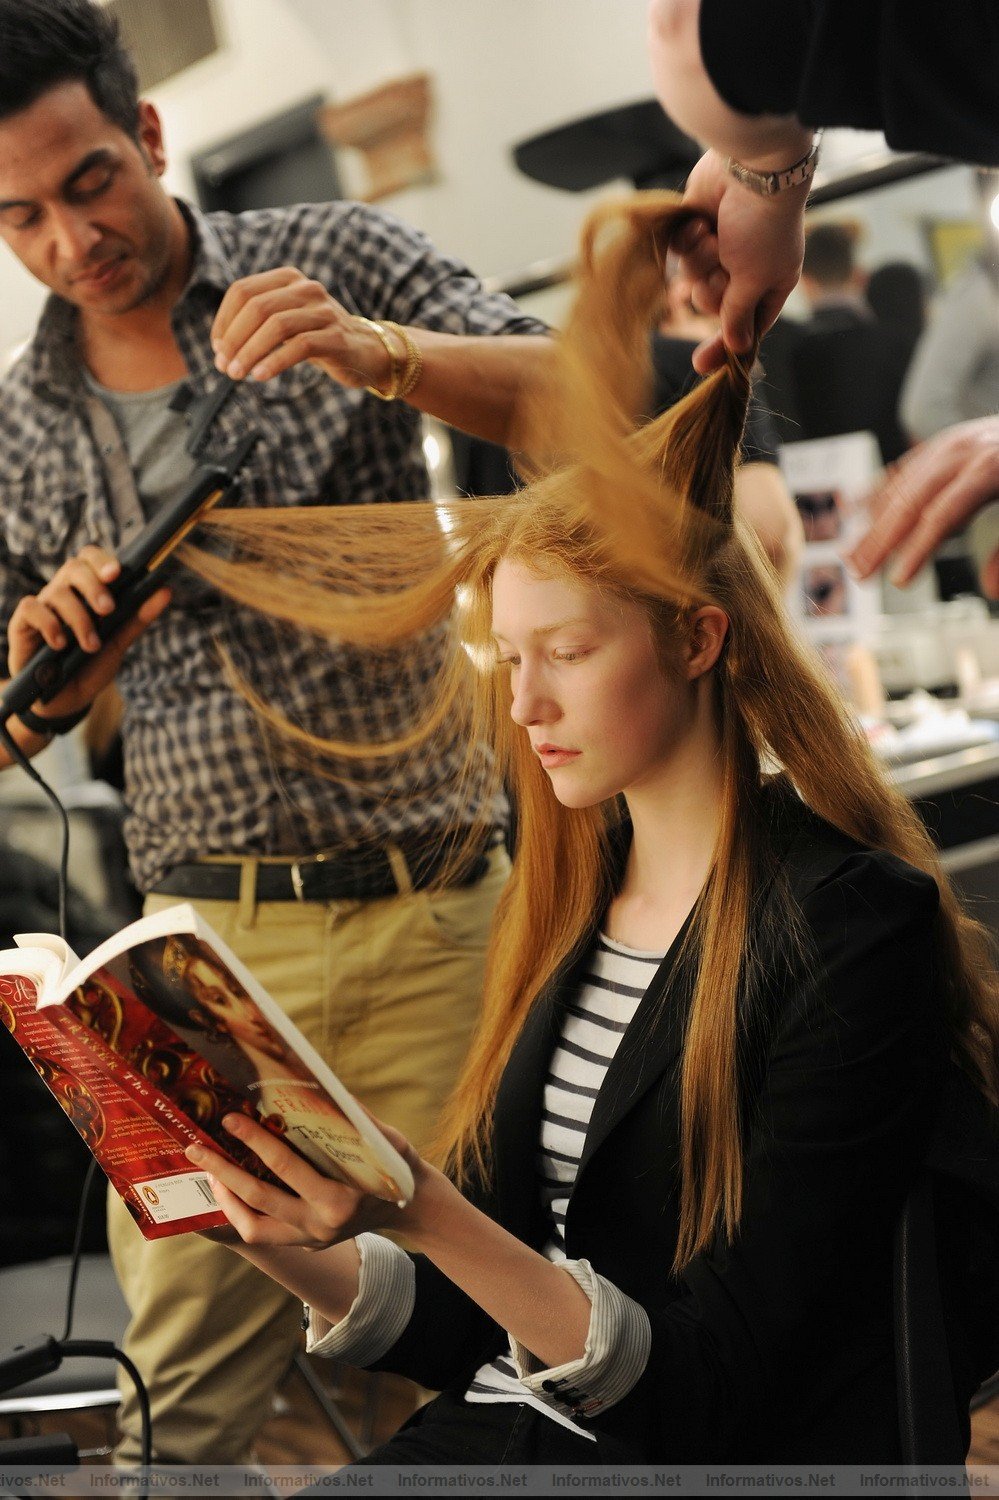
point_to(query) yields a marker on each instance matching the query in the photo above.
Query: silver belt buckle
(297, 884)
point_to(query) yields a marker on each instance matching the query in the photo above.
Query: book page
(42, 958)
(360, 1148)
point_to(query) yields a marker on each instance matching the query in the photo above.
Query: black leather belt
(350, 875)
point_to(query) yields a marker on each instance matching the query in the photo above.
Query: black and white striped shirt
(596, 1019)
(618, 1339)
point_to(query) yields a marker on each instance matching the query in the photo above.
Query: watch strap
(766, 184)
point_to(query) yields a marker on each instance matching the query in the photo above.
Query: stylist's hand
(308, 1209)
(929, 494)
(60, 615)
(742, 258)
(274, 320)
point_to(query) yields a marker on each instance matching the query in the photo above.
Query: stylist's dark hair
(47, 42)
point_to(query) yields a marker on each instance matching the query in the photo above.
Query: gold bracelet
(414, 362)
(398, 364)
(405, 368)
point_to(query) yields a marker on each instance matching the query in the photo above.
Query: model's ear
(708, 632)
(151, 137)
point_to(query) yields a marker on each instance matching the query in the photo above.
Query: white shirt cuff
(386, 1296)
(618, 1343)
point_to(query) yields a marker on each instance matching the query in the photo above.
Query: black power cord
(74, 1265)
(41, 1356)
(30, 1361)
(18, 756)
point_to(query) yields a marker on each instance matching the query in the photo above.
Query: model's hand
(269, 322)
(929, 494)
(309, 1209)
(742, 258)
(58, 615)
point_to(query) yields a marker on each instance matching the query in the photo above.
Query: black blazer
(779, 1347)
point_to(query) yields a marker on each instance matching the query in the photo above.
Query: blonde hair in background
(642, 511)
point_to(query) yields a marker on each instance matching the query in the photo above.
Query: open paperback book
(153, 1039)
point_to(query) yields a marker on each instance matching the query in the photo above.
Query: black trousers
(450, 1430)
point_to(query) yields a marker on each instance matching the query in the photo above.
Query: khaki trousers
(388, 991)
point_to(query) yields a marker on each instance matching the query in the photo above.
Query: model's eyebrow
(543, 630)
(103, 156)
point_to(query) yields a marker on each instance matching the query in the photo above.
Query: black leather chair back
(946, 1279)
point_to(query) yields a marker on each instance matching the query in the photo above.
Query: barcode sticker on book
(183, 1196)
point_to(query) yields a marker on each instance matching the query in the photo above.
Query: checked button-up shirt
(201, 777)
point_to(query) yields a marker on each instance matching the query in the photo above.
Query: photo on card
(826, 590)
(830, 479)
(821, 513)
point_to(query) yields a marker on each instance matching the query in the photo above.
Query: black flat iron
(144, 561)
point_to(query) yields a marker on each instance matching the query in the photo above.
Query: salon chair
(946, 1282)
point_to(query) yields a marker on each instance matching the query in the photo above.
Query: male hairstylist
(148, 294)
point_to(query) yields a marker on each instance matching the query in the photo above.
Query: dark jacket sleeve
(849, 1090)
(929, 83)
(449, 1336)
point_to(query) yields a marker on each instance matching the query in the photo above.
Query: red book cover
(123, 1118)
(151, 1041)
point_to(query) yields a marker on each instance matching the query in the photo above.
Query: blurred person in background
(831, 280)
(847, 368)
(954, 374)
(896, 293)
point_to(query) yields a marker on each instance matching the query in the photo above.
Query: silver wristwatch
(765, 184)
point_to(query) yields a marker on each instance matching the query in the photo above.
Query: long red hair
(645, 511)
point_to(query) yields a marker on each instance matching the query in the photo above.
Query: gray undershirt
(154, 438)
